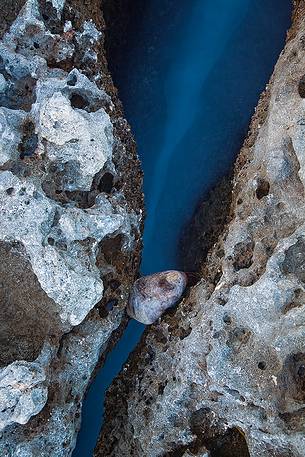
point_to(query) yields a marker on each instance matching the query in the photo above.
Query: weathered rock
(152, 295)
(224, 374)
(70, 219)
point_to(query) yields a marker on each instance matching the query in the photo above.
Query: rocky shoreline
(70, 223)
(223, 375)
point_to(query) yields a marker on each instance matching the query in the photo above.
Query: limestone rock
(70, 220)
(22, 393)
(225, 374)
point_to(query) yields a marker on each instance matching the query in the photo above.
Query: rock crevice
(223, 375)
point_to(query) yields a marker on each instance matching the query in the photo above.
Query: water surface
(189, 74)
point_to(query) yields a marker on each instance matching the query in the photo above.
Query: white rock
(22, 392)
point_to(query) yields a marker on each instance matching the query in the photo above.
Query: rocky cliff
(70, 219)
(224, 374)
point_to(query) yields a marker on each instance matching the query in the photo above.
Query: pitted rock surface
(70, 220)
(224, 374)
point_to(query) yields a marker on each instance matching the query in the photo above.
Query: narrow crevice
(207, 224)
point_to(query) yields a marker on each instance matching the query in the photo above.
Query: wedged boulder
(224, 374)
(70, 219)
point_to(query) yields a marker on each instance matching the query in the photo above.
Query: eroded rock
(224, 375)
(70, 184)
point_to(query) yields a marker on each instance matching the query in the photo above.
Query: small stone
(152, 295)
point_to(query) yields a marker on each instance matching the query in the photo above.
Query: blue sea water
(189, 76)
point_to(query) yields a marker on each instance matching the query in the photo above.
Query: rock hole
(106, 183)
(262, 189)
(72, 80)
(294, 262)
(56, 125)
(10, 191)
(281, 206)
(49, 15)
(77, 101)
(227, 319)
(51, 241)
(301, 87)
(29, 141)
(243, 255)
(262, 365)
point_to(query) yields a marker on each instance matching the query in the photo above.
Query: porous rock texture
(70, 219)
(224, 374)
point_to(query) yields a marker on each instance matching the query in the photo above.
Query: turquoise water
(189, 74)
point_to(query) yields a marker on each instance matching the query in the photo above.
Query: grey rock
(22, 393)
(70, 223)
(225, 374)
(152, 295)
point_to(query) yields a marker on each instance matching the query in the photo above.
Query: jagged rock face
(224, 375)
(70, 220)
